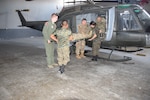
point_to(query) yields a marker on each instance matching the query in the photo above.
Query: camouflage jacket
(63, 37)
(83, 29)
(101, 25)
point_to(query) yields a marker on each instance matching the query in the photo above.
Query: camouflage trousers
(63, 55)
(95, 47)
(80, 45)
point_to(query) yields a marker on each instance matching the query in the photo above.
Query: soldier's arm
(81, 36)
(54, 37)
(45, 31)
(49, 30)
(93, 37)
(79, 29)
(103, 28)
(70, 36)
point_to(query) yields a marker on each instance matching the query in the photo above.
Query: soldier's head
(54, 17)
(84, 21)
(99, 18)
(92, 24)
(65, 24)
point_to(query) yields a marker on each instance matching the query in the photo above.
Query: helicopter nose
(147, 40)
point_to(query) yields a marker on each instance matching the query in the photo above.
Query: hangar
(25, 76)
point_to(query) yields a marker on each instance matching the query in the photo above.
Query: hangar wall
(39, 10)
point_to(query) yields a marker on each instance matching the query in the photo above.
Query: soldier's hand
(100, 31)
(89, 39)
(48, 41)
(46, 23)
(71, 38)
(56, 41)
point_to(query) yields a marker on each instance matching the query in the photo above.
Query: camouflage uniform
(100, 36)
(63, 45)
(48, 29)
(77, 36)
(102, 26)
(96, 42)
(80, 45)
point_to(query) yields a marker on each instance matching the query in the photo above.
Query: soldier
(63, 37)
(100, 35)
(101, 24)
(48, 29)
(96, 43)
(83, 28)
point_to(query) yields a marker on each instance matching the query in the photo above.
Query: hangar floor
(25, 76)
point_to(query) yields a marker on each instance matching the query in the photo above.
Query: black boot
(96, 57)
(61, 69)
(93, 58)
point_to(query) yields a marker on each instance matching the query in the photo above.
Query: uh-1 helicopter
(128, 25)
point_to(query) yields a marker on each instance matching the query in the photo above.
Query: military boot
(62, 69)
(96, 57)
(82, 55)
(93, 58)
(78, 57)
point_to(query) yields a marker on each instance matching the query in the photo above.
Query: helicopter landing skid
(125, 58)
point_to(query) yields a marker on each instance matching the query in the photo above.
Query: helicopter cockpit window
(127, 21)
(142, 15)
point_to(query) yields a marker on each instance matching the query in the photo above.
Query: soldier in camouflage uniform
(63, 37)
(100, 36)
(48, 29)
(101, 24)
(83, 28)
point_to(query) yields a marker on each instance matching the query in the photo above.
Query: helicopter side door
(129, 29)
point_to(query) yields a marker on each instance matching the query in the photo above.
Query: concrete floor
(25, 76)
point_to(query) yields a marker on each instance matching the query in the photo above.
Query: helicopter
(128, 25)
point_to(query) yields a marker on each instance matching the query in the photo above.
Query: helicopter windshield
(143, 16)
(127, 22)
